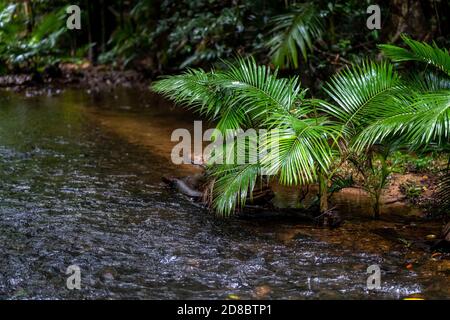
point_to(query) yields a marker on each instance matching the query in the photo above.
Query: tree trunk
(29, 13)
(122, 8)
(377, 207)
(89, 31)
(408, 17)
(323, 192)
(103, 26)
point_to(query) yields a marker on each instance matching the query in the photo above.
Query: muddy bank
(53, 80)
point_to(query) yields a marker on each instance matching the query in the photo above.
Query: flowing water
(80, 184)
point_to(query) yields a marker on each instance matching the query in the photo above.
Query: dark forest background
(162, 36)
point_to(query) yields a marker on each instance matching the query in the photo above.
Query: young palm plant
(356, 95)
(296, 146)
(381, 110)
(424, 122)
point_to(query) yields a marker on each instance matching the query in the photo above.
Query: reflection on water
(80, 184)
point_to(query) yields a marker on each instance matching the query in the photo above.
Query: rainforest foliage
(162, 36)
(370, 110)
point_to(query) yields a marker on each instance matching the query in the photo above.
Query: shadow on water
(80, 184)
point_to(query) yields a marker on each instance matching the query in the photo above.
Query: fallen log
(443, 243)
(183, 187)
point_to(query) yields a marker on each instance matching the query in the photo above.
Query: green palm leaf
(232, 185)
(240, 97)
(426, 120)
(194, 89)
(419, 51)
(298, 148)
(258, 90)
(428, 82)
(293, 32)
(363, 94)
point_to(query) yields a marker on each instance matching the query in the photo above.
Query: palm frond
(258, 90)
(195, 89)
(426, 120)
(419, 51)
(51, 24)
(232, 185)
(298, 148)
(240, 97)
(428, 82)
(363, 94)
(293, 32)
